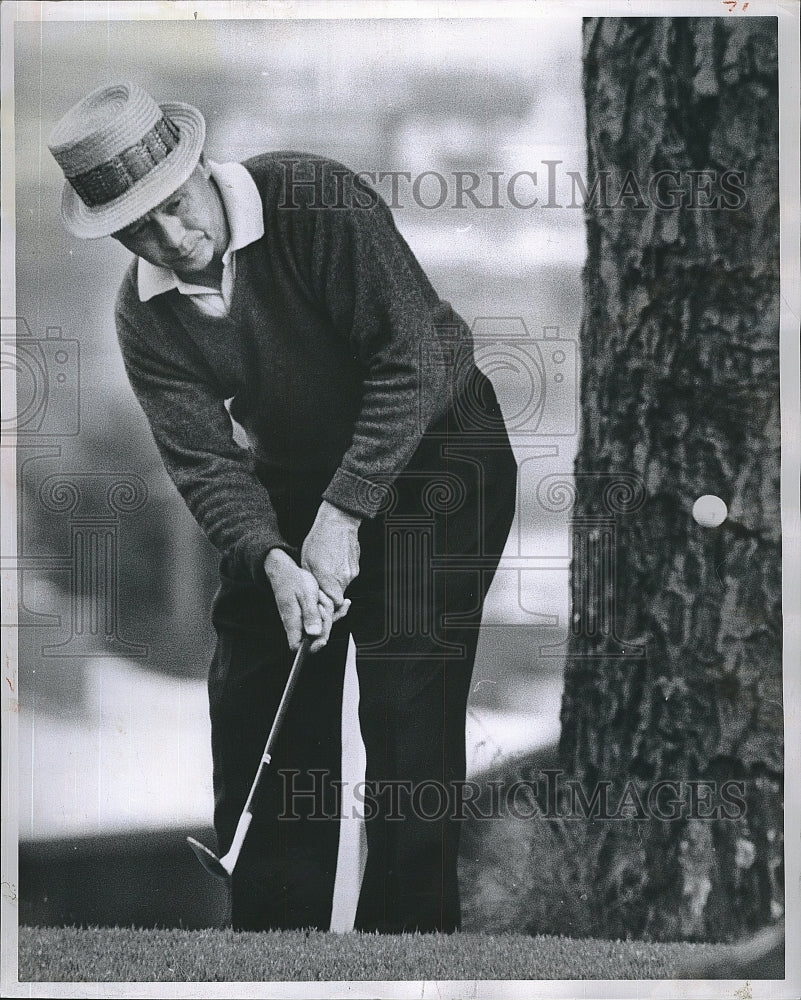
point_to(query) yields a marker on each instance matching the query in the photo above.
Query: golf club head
(210, 861)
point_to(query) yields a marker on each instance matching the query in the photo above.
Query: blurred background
(115, 578)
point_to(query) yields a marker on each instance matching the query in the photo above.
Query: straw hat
(122, 154)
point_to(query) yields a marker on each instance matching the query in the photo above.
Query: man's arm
(194, 435)
(413, 349)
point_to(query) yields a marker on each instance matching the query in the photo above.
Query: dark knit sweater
(337, 354)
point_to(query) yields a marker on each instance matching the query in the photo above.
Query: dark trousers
(427, 561)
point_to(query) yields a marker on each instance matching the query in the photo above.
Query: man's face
(186, 231)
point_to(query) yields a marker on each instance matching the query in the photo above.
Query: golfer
(373, 500)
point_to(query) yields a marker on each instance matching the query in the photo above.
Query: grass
(69, 954)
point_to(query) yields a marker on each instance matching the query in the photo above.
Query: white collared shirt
(244, 211)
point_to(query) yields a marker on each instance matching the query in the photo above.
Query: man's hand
(303, 607)
(331, 553)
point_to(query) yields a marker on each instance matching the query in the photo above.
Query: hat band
(113, 178)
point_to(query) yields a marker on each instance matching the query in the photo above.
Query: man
(374, 499)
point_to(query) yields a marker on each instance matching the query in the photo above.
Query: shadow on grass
(529, 876)
(547, 876)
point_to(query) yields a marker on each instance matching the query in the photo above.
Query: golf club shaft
(223, 867)
(283, 706)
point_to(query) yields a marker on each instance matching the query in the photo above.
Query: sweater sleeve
(412, 348)
(194, 435)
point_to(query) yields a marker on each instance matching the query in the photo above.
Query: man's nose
(171, 231)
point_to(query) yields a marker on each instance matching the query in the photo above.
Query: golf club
(224, 866)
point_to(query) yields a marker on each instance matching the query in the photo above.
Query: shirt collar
(244, 211)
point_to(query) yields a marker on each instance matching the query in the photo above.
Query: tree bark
(674, 661)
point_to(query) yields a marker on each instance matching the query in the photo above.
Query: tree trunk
(674, 665)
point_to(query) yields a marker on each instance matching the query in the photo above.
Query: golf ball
(710, 511)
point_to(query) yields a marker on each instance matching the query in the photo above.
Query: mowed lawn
(55, 954)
